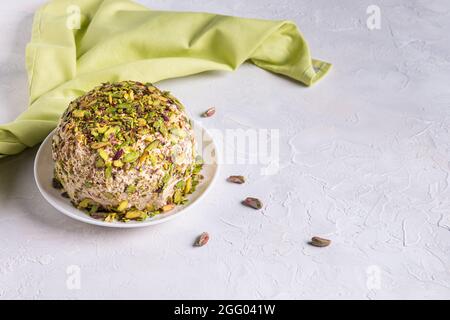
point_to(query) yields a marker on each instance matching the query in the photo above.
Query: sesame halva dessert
(125, 151)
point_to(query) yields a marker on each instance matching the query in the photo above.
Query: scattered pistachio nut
(202, 240)
(252, 203)
(236, 179)
(319, 242)
(209, 113)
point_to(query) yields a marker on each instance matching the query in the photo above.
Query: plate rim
(122, 225)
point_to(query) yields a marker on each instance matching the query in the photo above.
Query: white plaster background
(364, 156)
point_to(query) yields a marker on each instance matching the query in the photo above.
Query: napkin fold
(78, 44)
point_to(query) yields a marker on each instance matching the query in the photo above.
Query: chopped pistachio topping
(133, 214)
(131, 157)
(84, 203)
(98, 145)
(168, 207)
(78, 113)
(103, 154)
(130, 189)
(122, 205)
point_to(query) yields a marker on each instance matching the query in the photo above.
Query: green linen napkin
(78, 44)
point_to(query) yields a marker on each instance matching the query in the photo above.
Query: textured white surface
(364, 161)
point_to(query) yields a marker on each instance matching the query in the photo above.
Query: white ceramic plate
(43, 174)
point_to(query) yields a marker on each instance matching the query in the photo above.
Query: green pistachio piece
(181, 184)
(124, 106)
(163, 130)
(197, 168)
(143, 158)
(84, 203)
(152, 145)
(131, 189)
(188, 186)
(78, 113)
(168, 207)
(153, 159)
(99, 163)
(166, 178)
(177, 197)
(118, 163)
(98, 145)
(111, 217)
(153, 213)
(103, 154)
(94, 132)
(131, 157)
(108, 172)
(111, 110)
(178, 132)
(144, 131)
(109, 132)
(122, 205)
(141, 122)
(102, 129)
(134, 214)
(158, 123)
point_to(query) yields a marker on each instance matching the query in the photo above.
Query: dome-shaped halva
(125, 151)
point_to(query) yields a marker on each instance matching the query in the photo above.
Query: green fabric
(122, 40)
